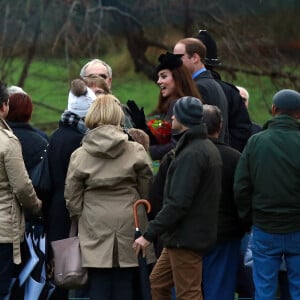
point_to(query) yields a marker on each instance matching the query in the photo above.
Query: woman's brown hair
(185, 86)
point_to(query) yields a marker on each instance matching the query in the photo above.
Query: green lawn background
(48, 83)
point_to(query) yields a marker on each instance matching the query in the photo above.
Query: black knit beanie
(188, 111)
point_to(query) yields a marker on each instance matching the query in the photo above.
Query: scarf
(72, 120)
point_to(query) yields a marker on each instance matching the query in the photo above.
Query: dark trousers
(111, 283)
(219, 274)
(284, 285)
(60, 293)
(6, 268)
(245, 285)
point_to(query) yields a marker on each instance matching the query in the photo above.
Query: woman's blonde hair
(105, 110)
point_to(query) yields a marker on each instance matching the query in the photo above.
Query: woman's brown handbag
(68, 270)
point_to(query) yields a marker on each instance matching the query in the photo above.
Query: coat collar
(282, 121)
(197, 132)
(4, 125)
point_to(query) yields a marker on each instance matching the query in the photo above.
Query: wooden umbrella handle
(135, 211)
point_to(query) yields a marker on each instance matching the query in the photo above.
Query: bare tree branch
(33, 46)
(293, 78)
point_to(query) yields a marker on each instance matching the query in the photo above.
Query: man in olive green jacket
(16, 194)
(187, 222)
(267, 193)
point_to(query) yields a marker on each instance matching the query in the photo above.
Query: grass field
(48, 84)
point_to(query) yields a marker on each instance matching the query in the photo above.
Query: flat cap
(287, 100)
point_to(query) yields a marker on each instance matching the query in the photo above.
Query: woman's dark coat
(62, 143)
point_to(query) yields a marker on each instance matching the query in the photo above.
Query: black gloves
(139, 119)
(137, 115)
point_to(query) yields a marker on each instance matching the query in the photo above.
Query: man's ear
(109, 83)
(297, 114)
(220, 129)
(274, 110)
(2, 111)
(195, 58)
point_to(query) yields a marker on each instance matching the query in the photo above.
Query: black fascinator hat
(169, 61)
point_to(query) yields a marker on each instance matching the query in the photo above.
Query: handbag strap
(73, 228)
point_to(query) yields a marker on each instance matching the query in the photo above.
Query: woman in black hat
(175, 81)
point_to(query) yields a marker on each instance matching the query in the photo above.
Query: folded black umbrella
(37, 285)
(37, 272)
(31, 260)
(37, 279)
(144, 268)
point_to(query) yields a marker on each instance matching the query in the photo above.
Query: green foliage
(137, 87)
(261, 90)
(48, 85)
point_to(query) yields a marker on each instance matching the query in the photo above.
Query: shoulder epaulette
(8, 133)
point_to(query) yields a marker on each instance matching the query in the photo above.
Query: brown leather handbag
(68, 270)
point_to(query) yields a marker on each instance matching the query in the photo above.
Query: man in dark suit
(193, 54)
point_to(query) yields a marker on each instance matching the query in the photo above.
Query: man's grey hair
(15, 89)
(212, 117)
(94, 61)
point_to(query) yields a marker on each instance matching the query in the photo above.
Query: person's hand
(37, 211)
(137, 115)
(140, 244)
(40, 205)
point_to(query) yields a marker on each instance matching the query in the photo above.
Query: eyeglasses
(104, 76)
(100, 92)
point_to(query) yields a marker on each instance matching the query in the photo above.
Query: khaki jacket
(16, 191)
(105, 177)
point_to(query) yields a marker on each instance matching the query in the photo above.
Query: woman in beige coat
(16, 194)
(105, 177)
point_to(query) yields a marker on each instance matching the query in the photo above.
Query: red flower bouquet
(161, 129)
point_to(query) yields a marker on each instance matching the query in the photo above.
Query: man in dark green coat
(187, 222)
(267, 192)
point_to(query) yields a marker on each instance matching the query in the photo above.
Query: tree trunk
(32, 48)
